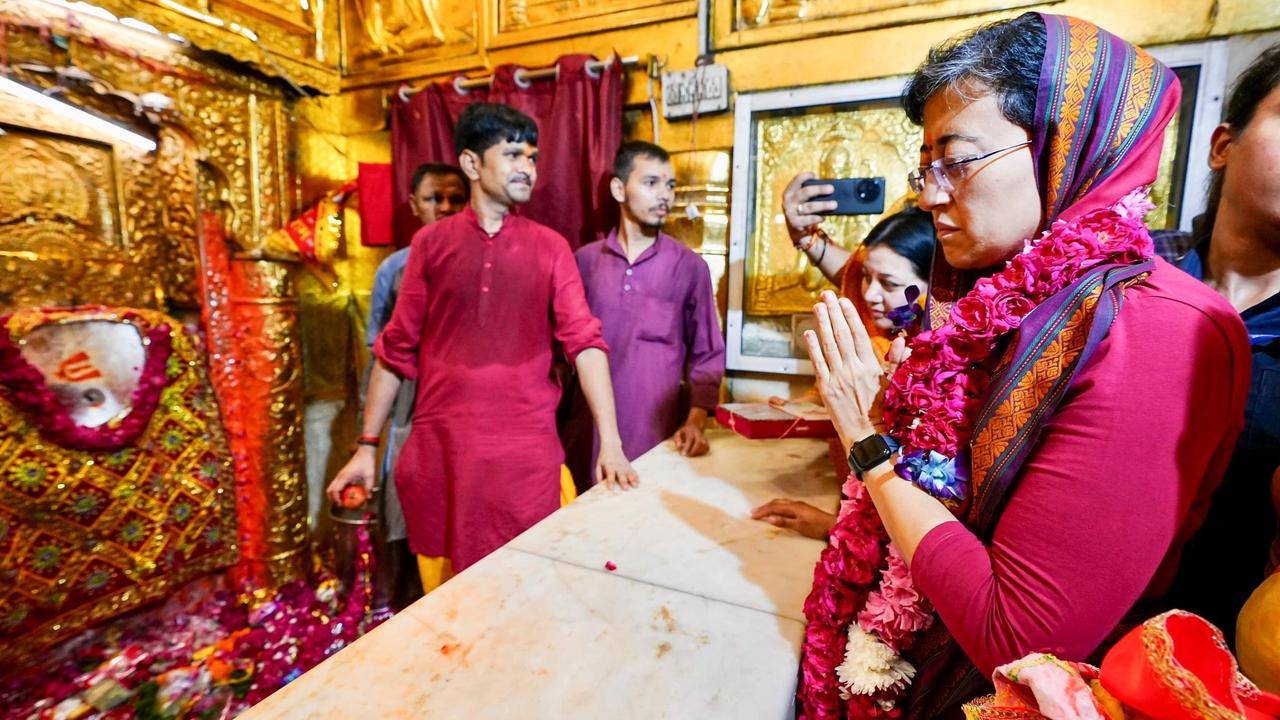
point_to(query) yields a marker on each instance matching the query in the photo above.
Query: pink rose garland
(930, 405)
(932, 400)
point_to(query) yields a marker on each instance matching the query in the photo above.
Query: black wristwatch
(870, 452)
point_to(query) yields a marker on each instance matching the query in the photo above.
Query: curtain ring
(600, 66)
(400, 92)
(457, 85)
(521, 81)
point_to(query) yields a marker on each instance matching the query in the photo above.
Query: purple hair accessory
(907, 317)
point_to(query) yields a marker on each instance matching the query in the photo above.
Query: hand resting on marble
(795, 515)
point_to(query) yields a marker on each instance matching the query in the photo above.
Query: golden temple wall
(841, 40)
(772, 44)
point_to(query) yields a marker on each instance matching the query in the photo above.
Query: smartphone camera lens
(867, 191)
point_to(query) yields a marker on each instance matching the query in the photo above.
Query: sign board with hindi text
(702, 90)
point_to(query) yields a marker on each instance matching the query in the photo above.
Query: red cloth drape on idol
(579, 128)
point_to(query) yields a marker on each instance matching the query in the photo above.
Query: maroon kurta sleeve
(397, 344)
(703, 339)
(1118, 480)
(575, 327)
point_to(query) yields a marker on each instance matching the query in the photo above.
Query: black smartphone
(853, 196)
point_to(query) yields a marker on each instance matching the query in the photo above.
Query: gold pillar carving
(263, 309)
(176, 160)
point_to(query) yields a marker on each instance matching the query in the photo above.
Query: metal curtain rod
(523, 77)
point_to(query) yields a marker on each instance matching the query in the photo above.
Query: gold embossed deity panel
(871, 140)
(223, 146)
(398, 39)
(741, 23)
(57, 192)
(67, 235)
(523, 21)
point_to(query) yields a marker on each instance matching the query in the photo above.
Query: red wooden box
(764, 421)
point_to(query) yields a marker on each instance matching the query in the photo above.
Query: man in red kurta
(487, 297)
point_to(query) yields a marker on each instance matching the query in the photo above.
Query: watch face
(868, 453)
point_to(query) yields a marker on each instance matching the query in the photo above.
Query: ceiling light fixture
(72, 112)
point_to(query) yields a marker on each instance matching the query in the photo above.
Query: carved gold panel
(288, 14)
(525, 21)
(700, 214)
(742, 23)
(396, 39)
(66, 234)
(57, 189)
(297, 39)
(230, 128)
(869, 141)
(239, 125)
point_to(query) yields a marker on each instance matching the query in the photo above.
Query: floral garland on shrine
(863, 612)
(25, 387)
(208, 652)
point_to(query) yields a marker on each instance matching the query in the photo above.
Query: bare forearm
(697, 417)
(383, 386)
(908, 512)
(593, 374)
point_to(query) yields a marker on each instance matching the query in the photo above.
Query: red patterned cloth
(87, 535)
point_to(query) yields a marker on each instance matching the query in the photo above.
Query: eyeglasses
(949, 173)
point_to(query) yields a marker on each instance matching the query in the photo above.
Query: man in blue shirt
(1235, 249)
(438, 192)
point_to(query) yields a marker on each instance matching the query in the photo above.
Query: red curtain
(579, 129)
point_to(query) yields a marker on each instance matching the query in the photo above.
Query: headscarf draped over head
(1101, 110)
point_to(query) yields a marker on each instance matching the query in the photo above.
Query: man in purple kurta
(654, 298)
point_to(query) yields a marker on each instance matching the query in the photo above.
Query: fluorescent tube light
(137, 24)
(72, 112)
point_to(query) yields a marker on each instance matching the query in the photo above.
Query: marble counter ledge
(688, 526)
(700, 618)
(525, 637)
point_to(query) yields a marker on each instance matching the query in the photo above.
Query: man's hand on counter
(690, 440)
(795, 515)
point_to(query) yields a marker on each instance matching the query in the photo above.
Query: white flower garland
(871, 666)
